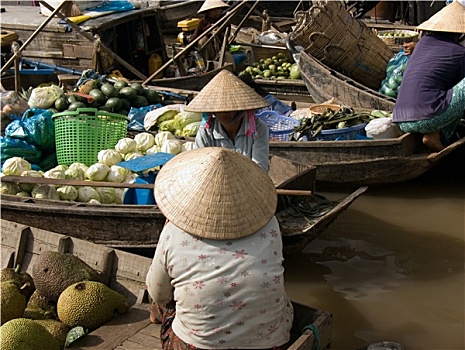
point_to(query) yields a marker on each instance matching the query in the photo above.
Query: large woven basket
(329, 33)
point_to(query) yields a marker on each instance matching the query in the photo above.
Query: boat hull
(324, 84)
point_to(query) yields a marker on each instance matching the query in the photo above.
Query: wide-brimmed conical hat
(450, 19)
(215, 193)
(212, 4)
(225, 93)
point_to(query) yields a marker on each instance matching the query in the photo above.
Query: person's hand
(409, 47)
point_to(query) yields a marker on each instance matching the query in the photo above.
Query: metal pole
(33, 35)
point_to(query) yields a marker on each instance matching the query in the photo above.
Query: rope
(316, 332)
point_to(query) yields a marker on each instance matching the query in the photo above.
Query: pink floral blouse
(229, 293)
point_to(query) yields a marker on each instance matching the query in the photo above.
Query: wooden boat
(58, 45)
(137, 227)
(324, 83)
(353, 163)
(190, 82)
(171, 12)
(125, 272)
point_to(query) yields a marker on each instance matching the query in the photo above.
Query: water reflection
(392, 266)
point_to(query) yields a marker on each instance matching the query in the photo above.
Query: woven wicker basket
(328, 32)
(390, 39)
(322, 108)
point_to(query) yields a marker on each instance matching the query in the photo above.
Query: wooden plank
(116, 331)
(45, 54)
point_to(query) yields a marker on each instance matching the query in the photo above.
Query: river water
(391, 267)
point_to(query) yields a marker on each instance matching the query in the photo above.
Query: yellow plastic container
(8, 37)
(155, 62)
(188, 24)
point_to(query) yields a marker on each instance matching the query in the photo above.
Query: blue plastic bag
(11, 147)
(137, 115)
(36, 127)
(394, 73)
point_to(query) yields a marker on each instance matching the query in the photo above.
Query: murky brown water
(392, 266)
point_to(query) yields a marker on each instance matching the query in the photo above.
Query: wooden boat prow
(125, 272)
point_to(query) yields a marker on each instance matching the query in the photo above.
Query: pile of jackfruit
(63, 299)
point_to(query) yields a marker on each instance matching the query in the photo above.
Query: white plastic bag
(382, 128)
(44, 97)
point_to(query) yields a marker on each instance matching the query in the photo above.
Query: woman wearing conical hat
(228, 106)
(212, 11)
(217, 278)
(431, 99)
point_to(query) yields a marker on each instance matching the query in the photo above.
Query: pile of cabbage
(106, 169)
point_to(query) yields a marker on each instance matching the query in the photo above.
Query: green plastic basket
(81, 134)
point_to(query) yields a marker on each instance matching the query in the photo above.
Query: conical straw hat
(450, 19)
(225, 93)
(212, 4)
(215, 193)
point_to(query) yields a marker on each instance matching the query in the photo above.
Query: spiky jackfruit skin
(53, 272)
(89, 85)
(90, 305)
(57, 329)
(20, 278)
(12, 303)
(39, 308)
(25, 334)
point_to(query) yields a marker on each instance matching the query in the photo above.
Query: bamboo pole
(32, 37)
(93, 40)
(236, 31)
(223, 20)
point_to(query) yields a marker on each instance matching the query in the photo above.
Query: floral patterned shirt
(228, 293)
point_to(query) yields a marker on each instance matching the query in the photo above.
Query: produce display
(105, 169)
(342, 118)
(275, 67)
(116, 97)
(68, 301)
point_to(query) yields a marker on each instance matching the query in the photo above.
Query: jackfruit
(39, 308)
(13, 302)
(53, 272)
(25, 334)
(20, 278)
(56, 328)
(90, 305)
(89, 85)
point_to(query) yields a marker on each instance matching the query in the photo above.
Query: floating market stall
(124, 272)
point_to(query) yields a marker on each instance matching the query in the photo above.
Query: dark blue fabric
(436, 66)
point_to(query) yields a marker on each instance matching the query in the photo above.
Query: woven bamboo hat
(450, 19)
(212, 4)
(226, 93)
(215, 193)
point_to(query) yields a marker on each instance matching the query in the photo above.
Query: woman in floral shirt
(217, 270)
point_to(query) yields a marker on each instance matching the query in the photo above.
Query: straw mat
(225, 93)
(450, 19)
(215, 193)
(212, 4)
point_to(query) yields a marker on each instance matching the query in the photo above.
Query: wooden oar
(44, 180)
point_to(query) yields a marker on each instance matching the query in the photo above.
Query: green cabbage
(94, 201)
(171, 146)
(61, 167)
(109, 157)
(86, 193)
(153, 149)
(79, 165)
(67, 193)
(191, 129)
(116, 174)
(29, 173)
(9, 188)
(144, 141)
(75, 173)
(162, 136)
(187, 146)
(23, 194)
(107, 194)
(168, 125)
(119, 195)
(182, 119)
(55, 174)
(15, 166)
(97, 172)
(45, 192)
(126, 145)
